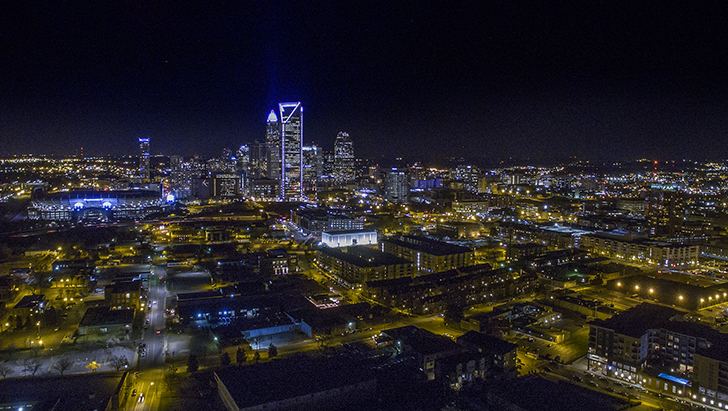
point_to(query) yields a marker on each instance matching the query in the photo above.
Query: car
(133, 392)
(159, 331)
(141, 397)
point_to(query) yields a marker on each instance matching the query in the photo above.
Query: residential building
(429, 256)
(357, 265)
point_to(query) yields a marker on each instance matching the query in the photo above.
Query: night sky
(528, 79)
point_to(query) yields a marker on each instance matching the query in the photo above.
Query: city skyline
(497, 80)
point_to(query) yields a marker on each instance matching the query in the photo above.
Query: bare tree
(5, 369)
(31, 366)
(118, 361)
(62, 365)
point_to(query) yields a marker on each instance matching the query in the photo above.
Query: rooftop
(428, 246)
(120, 287)
(96, 316)
(422, 341)
(487, 343)
(637, 320)
(281, 379)
(30, 301)
(362, 256)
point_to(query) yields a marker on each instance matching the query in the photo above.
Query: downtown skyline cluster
(595, 81)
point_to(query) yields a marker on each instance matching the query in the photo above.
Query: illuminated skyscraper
(291, 141)
(343, 158)
(258, 160)
(396, 186)
(273, 138)
(144, 157)
(313, 165)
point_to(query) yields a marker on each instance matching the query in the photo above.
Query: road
(148, 381)
(148, 394)
(154, 333)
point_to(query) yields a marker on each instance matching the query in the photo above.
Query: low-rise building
(295, 384)
(622, 245)
(349, 238)
(105, 321)
(427, 347)
(428, 294)
(499, 353)
(358, 265)
(429, 256)
(124, 295)
(648, 334)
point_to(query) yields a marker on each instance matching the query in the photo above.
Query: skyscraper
(258, 160)
(273, 139)
(343, 158)
(396, 186)
(144, 157)
(291, 138)
(313, 165)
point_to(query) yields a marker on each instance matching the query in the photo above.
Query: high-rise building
(313, 165)
(396, 186)
(291, 137)
(258, 160)
(273, 140)
(664, 212)
(328, 168)
(144, 157)
(343, 158)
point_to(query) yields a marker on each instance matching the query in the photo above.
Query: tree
(31, 366)
(5, 370)
(225, 359)
(118, 361)
(256, 356)
(192, 364)
(272, 351)
(50, 316)
(240, 356)
(38, 280)
(454, 312)
(171, 378)
(62, 365)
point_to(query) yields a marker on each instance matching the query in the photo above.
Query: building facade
(144, 157)
(343, 158)
(291, 132)
(640, 250)
(396, 186)
(357, 265)
(429, 256)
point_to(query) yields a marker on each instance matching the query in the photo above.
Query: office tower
(467, 176)
(291, 138)
(258, 160)
(273, 140)
(144, 157)
(328, 164)
(312, 166)
(396, 186)
(664, 212)
(343, 158)
(175, 162)
(243, 158)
